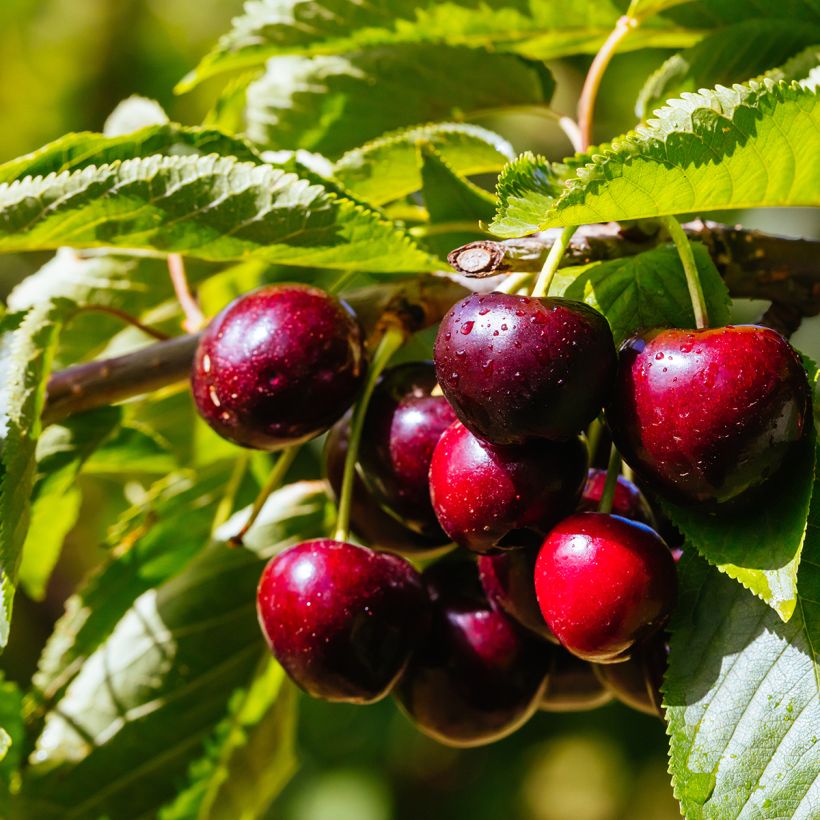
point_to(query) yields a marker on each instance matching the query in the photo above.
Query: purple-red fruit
(628, 501)
(705, 415)
(368, 520)
(508, 581)
(604, 583)
(402, 427)
(478, 677)
(573, 685)
(487, 496)
(516, 367)
(278, 366)
(342, 620)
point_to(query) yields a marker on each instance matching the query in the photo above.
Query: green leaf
(27, 343)
(331, 104)
(61, 452)
(749, 146)
(742, 698)
(133, 449)
(211, 208)
(388, 168)
(729, 55)
(646, 290)
(250, 757)
(74, 152)
(12, 738)
(537, 29)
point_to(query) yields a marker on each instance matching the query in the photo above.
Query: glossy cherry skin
(368, 520)
(628, 502)
(516, 367)
(278, 366)
(704, 415)
(603, 584)
(342, 620)
(402, 427)
(487, 496)
(478, 677)
(508, 581)
(573, 685)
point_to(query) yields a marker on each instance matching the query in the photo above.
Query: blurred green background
(65, 64)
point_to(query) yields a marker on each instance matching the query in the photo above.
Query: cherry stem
(594, 432)
(125, 317)
(194, 317)
(613, 470)
(274, 482)
(552, 262)
(514, 282)
(589, 93)
(390, 342)
(690, 268)
(225, 507)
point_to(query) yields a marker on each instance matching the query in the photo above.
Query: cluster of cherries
(564, 606)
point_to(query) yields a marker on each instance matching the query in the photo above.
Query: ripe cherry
(704, 415)
(573, 685)
(278, 366)
(487, 496)
(342, 620)
(507, 579)
(628, 501)
(402, 426)
(477, 677)
(368, 520)
(516, 367)
(604, 583)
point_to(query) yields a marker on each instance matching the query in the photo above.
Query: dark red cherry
(516, 367)
(477, 677)
(604, 583)
(368, 520)
(705, 415)
(402, 426)
(629, 501)
(572, 685)
(508, 579)
(278, 366)
(487, 496)
(637, 681)
(341, 619)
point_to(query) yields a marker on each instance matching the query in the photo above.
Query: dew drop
(466, 328)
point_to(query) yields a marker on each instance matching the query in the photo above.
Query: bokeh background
(64, 65)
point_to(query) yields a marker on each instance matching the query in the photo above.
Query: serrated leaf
(132, 114)
(250, 757)
(211, 208)
(749, 146)
(332, 104)
(729, 55)
(61, 452)
(538, 29)
(388, 169)
(645, 290)
(742, 699)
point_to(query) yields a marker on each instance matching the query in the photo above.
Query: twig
(124, 317)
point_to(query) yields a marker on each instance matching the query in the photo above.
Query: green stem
(594, 431)
(343, 280)
(687, 259)
(275, 479)
(514, 282)
(225, 508)
(551, 263)
(613, 470)
(388, 345)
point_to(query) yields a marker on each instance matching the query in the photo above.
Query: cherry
(367, 519)
(278, 366)
(477, 677)
(629, 501)
(637, 681)
(603, 583)
(341, 619)
(516, 367)
(573, 685)
(487, 496)
(507, 579)
(402, 426)
(704, 415)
